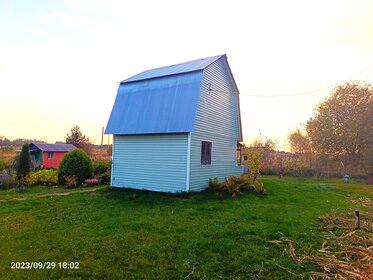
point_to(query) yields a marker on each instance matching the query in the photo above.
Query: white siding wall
(151, 162)
(217, 121)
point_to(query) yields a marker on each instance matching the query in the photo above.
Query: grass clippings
(363, 201)
(346, 253)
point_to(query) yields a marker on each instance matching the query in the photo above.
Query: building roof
(51, 147)
(161, 100)
(190, 66)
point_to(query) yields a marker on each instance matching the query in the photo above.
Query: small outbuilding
(175, 127)
(48, 156)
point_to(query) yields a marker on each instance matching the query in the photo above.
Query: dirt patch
(49, 195)
(18, 198)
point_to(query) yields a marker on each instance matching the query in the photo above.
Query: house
(175, 127)
(48, 156)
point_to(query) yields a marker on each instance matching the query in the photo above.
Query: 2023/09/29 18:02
(44, 265)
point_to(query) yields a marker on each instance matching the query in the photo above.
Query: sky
(61, 61)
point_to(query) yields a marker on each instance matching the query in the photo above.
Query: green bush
(44, 177)
(102, 171)
(215, 185)
(75, 163)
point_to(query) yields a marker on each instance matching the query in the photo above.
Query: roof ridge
(174, 69)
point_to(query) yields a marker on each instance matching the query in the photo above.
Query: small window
(50, 155)
(206, 153)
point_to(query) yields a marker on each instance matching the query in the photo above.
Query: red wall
(52, 163)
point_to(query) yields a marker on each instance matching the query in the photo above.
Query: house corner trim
(187, 188)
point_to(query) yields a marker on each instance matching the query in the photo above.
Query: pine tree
(76, 137)
(24, 164)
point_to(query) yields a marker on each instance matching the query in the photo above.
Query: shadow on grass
(151, 197)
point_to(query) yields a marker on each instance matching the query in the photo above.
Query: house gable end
(218, 122)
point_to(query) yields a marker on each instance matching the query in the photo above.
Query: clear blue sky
(61, 61)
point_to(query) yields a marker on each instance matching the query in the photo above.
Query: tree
(255, 157)
(266, 150)
(4, 141)
(24, 163)
(342, 126)
(77, 138)
(299, 142)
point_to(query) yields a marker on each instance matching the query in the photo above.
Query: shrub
(22, 183)
(3, 164)
(7, 180)
(214, 184)
(44, 177)
(255, 161)
(102, 171)
(259, 187)
(24, 164)
(236, 185)
(75, 163)
(296, 167)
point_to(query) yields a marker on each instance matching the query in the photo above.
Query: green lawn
(121, 234)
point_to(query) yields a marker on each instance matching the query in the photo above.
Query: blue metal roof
(190, 66)
(162, 100)
(51, 147)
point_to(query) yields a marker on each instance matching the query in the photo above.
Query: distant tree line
(5, 142)
(337, 140)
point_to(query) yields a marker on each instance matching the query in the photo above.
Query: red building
(48, 156)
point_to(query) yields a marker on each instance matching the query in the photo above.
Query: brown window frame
(206, 152)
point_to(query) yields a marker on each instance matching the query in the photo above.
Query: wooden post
(370, 179)
(357, 216)
(102, 136)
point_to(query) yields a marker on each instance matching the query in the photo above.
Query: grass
(123, 234)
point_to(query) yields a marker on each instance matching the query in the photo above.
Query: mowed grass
(122, 234)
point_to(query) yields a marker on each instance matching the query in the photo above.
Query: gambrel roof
(161, 100)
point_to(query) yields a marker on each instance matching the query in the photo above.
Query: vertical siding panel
(217, 121)
(150, 162)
